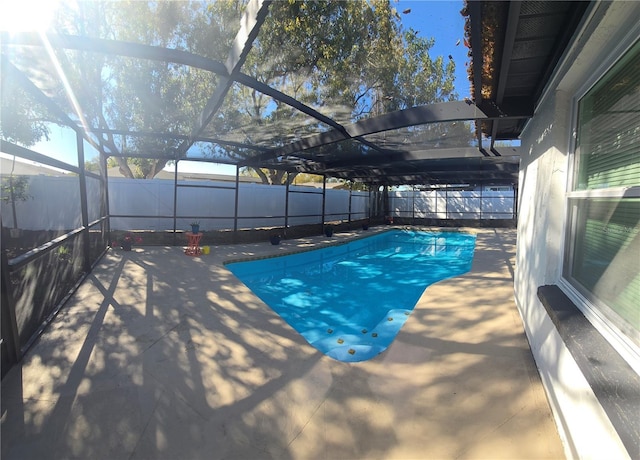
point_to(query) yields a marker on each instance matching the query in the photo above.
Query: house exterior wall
(544, 177)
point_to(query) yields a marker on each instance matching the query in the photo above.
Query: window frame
(624, 340)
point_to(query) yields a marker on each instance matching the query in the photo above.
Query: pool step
(350, 345)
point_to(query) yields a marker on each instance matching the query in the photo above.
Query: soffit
(518, 59)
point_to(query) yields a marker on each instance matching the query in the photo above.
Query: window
(602, 261)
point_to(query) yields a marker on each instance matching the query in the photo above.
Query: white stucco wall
(544, 175)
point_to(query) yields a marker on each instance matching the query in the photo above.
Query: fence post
(10, 334)
(175, 203)
(514, 212)
(413, 205)
(84, 209)
(286, 207)
(236, 204)
(106, 210)
(324, 198)
(446, 204)
(350, 196)
(435, 199)
(386, 207)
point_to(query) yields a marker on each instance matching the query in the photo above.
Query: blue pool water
(351, 300)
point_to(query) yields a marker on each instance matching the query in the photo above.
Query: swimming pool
(350, 301)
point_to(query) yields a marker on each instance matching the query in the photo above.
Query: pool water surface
(350, 301)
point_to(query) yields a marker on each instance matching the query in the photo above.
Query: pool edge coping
(346, 240)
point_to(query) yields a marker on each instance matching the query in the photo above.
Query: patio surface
(163, 356)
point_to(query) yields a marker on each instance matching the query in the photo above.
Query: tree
(15, 189)
(22, 121)
(92, 165)
(144, 95)
(351, 185)
(349, 60)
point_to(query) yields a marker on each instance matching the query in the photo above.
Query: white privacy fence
(54, 204)
(213, 204)
(444, 204)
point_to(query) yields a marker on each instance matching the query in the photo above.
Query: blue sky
(442, 21)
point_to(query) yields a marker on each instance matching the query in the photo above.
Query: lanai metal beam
(115, 48)
(453, 177)
(155, 53)
(160, 135)
(436, 169)
(433, 113)
(398, 156)
(250, 23)
(11, 71)
(424, 114)
(328, 137)
(279, 96)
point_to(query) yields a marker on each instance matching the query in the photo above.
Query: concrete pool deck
(159, 355)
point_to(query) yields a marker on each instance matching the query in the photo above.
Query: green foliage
(145, 95)
(351, 185)
(304, 178)
(348, 59)
(21, 120)
(92, 165)
(63, 253)
(15, 188)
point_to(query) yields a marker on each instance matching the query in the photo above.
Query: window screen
(603, 259)
(609, 128)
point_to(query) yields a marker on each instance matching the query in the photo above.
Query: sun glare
(26, 15)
